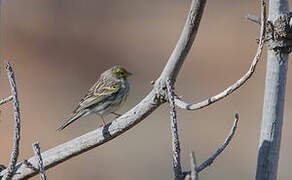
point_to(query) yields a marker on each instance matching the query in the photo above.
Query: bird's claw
(116, 114)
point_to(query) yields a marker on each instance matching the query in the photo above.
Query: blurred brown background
(58, 48)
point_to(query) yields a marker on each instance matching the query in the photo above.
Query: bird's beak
(129, 74)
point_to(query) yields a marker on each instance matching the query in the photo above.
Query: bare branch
(240, 82)
(209, 161)
(194, 173)
(15, 149)
(37, 152)
(185, 41)
(254, 18)
(274, 94)
(5, 100)
(174, 133)
(153, 100)
(86, 142)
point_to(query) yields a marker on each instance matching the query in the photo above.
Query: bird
(106, 96)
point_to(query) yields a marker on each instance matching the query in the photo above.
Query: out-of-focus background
(58, 49)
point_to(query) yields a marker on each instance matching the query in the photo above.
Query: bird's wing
(97, 93)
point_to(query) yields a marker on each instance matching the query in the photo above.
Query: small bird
(106, 96)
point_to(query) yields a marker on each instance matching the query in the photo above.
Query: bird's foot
(116, 114)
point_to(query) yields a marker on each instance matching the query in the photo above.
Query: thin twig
(194, 173)
(15, 148)
(254, 18)
(5, 100)
(174, 133)
(209, 161)
(180, 103)
(37, 152)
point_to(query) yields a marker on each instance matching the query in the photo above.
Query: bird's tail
(71, 120)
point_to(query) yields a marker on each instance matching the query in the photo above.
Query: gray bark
(174, 134)
(15, 149)
(272, 120)
(153, 100)
(37, 152)
(180, 103)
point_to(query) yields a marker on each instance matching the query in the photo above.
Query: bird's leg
(103, 122)
(116, 114)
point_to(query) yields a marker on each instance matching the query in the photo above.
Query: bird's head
(120, 72)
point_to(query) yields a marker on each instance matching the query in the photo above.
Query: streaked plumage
(106, 96)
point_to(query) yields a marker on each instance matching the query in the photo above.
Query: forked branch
(211, 159)
(180, 103)
(154, 99)
(197, 169)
